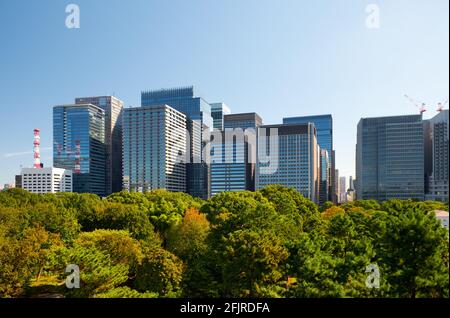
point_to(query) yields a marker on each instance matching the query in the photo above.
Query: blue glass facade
(79, 145)
(390, 158)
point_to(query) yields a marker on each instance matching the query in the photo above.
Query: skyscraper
(336, 185)
(438, 140)
(342, 189)
(390, 158)
(324, 176)
(218, 111)
(154, 149)
(234, 159)
(324, 126)
(288, 155)
(199, 125)
(113, 138)
(79, 145)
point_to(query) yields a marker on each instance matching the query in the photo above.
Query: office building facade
(390, 158)
(437, 143)
(233, 154)
(113, 108)
(342, 189)
(242, 121)
(199, 124)
(79, 146)
(154, 149)
(324, 127)
(218, 111)
(324, 176)
(288, 155)
(46, 180)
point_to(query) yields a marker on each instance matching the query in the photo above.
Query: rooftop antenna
(36, 149)
(441, 106)
(422, 107)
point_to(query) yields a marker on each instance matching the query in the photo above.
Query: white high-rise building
(46, 180)
(342, 189)
(154, 149)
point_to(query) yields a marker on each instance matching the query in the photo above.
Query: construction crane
(441, 106)
(422, 107)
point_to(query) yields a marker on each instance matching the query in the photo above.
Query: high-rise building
(324, 126)
(199, 125)
(288, 155)
(234, 159)
(79, 146)
(218, 111)
(113, 138)
(46, 180)
(336, 185)
(390, 158)
(342, 189)
(154, 149)
(324, 176)
(242, 121)
(436, 147)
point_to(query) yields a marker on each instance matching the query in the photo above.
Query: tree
(118, 216)
(251, 263)
(161, 272)
(119, 245)
(292, 207)
(413, 251)
(189, 242)
(23, 260)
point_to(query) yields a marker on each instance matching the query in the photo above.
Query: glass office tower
(288, 157)
(218, 111)
(324, 126)
(390, 158)
(324, 176)
(154, 149)
(234, 159)
(199, 124)
(113, 138)
(79, 145)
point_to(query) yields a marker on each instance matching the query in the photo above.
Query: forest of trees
(269, 243)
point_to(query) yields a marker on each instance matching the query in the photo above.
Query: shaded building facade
(288, 155)
(390, 158)
(324, 127)
(113, 108)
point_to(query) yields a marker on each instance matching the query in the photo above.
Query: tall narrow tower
(36, 150)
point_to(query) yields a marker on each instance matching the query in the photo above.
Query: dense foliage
(269, 243)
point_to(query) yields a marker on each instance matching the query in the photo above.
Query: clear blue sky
(276, 57)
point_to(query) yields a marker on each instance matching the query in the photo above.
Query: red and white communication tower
(77, 168)
(36, 150)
